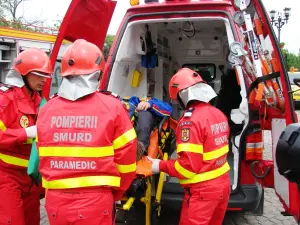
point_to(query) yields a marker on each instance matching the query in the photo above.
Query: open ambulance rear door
(267, 62)
(84, 19)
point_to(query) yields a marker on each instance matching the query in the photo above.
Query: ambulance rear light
(234, 209)
(254, 146)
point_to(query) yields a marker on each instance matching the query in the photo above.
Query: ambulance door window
(207, 71)
(56, 78)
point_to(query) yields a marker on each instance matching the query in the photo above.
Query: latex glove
(31, 132)
(155, 165)
(143, 106)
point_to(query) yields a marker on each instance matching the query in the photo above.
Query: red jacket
(202, 146)
(17, 111)
(86, 143)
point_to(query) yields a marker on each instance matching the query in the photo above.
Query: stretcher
(146, 189)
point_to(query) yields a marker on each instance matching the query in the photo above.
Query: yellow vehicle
(294, 87)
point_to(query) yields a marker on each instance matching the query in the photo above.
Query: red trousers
(206, 203)
(92, 207)
(19, 199)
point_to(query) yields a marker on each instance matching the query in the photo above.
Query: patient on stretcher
(146, 114)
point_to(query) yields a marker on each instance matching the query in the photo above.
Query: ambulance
(14, 41)
(233, 46)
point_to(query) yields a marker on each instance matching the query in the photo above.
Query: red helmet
(183, 79)
(82, 58)
(33, 60)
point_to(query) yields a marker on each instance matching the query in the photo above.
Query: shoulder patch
(24, 121)
(189, 112)
(186, 123)
(185, 134)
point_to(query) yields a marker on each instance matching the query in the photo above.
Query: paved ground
(272, 207)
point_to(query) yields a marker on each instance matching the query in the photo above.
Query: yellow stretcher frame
(153, 202)
(147, 199)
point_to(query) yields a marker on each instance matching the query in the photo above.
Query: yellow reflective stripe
(77, 182)
(188, 147)
(14, 160)
(199, 149)
(124, 139)
(216, 153)
(2, 126)
(207, 175)
(126, 168)
(76, 151)
(184, 172)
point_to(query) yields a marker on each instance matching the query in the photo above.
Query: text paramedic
(73, 122)
(74, 165)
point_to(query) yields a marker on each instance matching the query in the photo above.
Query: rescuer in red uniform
(86, 143)
(19, 103)
(202, 147)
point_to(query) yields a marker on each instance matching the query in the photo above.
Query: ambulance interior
(201, 44)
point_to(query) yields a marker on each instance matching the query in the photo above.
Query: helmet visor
(41, 74)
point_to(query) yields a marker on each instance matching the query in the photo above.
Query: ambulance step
(247, 197)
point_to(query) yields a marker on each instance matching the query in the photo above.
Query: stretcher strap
(259, 80)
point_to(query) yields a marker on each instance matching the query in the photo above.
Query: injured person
(145, 114)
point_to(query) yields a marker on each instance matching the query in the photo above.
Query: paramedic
(86, 143)
(145, 112)
(19, 103)
(202, 146)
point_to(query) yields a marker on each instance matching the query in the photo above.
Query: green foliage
(109, 39)
(291, 59)
(17, 24)
(107, 45)
(57, 24)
